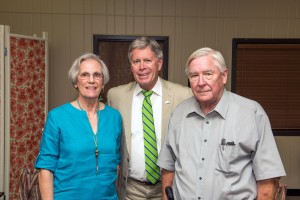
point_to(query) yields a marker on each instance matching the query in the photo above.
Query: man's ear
(160, 64)
(224, 76)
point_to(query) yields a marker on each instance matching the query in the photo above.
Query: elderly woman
(79, 153)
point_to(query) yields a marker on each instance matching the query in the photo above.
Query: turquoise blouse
(68, 150)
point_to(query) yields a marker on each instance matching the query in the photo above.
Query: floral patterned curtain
(28, 85)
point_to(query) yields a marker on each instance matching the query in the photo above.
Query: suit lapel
(167, 105)
(127, 110)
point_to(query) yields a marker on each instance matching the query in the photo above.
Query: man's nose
(201, 80)
(142, 65)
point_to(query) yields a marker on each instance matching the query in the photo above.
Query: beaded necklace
(95, 136)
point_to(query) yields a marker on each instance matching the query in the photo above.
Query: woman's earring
(100, 98)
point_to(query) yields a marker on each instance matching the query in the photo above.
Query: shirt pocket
(227, 158)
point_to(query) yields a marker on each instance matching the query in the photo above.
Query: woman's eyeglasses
(96, 75)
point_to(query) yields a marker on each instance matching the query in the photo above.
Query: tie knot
(147, 93)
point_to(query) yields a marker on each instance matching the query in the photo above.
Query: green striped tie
(152, 170)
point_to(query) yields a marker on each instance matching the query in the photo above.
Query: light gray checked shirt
(220, 155)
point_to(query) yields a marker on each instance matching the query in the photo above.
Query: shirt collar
(157, 89)
(194, 107)
(221, 107)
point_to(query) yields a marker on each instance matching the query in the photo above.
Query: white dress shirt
(137, 161)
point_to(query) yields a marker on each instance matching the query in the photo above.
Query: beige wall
(190, 24)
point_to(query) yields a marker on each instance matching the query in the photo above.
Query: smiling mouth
(143, 75)
(91, 88)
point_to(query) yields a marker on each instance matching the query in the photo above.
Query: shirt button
(200, 178)
(205, 140)
(203, 159)
(207, 122)
(199, 197)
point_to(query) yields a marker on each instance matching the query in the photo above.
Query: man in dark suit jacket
(146, 60)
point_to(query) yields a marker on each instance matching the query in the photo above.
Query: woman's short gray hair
(144, 42)
(74, 70)
(216, 55)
